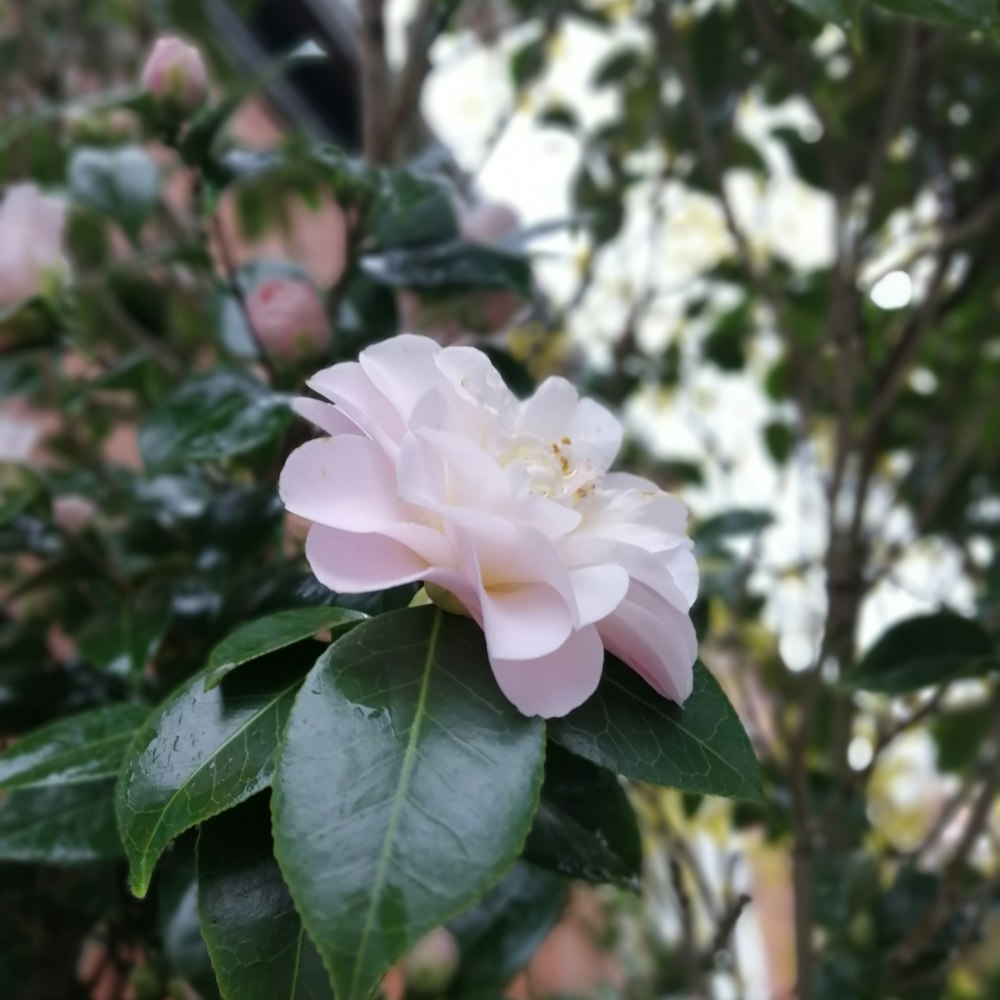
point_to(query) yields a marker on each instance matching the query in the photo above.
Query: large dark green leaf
(78, 750)
(200, 753)
(928, 649)
(404, 789)
(212, 417)
(258, 945)
(265, 635)
(451, 266)
(585, 826)
(180, 927)
(498, 936)
(121, 183)
(628, 728)
(60, 825)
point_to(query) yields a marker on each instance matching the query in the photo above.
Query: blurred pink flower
(31, 243)
(73, 513)
(434, 471)
(175, 74)
(289, 317)
(432, 963)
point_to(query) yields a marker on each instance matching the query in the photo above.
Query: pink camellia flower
(175, 75)
(31, 243)
(289, 317)
(435, 471)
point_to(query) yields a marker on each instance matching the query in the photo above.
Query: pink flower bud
(175, 75)
(488, 223)
(72, 513)
(432, 963)
(288, 316)
(31, 243)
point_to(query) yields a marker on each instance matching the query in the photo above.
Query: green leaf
(498, 937)
(180, 927)
(121, 183)
(925, 650)
(200, 753)
(739, 521)
(960, 735)
(212, 417)
(980, 14)
(451, 266)
(60, 825)
(840, 12)
(258, 945)
(628, 728)
(404, 789)
(124, 639)
(78, 750)
(585, 827)
(412, 208)
(265, 635)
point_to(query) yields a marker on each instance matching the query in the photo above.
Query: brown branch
(376, 83)
(420, 36)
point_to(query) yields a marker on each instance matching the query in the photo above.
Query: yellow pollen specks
(564, 465)
(583, 492)
(566, 440)
(555, 448)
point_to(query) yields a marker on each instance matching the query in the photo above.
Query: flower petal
(654, 639)
(555, 684)
(343, 482)
(598, 590)
(325, 416)
(353, 563)
(349, 387)
(402, 369)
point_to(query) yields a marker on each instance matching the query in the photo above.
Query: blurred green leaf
(921, 651)
(123, 184)
(60, 824)
(959, 735)
(78, 750)
(981, 14)
(451, 266)
(212, 417)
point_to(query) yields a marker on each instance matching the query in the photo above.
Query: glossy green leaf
(259, 948)
(499, 935)
(585, 826)
(60, 825)
(200, 753)
(628, 728)
(180, 927)
(451, 266)
(265, 635)
(404, 789)
(121, 183)
(412, 208)
(920, 651)
(212, 417)
(77, 750)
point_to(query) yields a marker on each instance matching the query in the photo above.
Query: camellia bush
(331, 648)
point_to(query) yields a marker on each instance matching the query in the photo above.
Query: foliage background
(765, 231)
